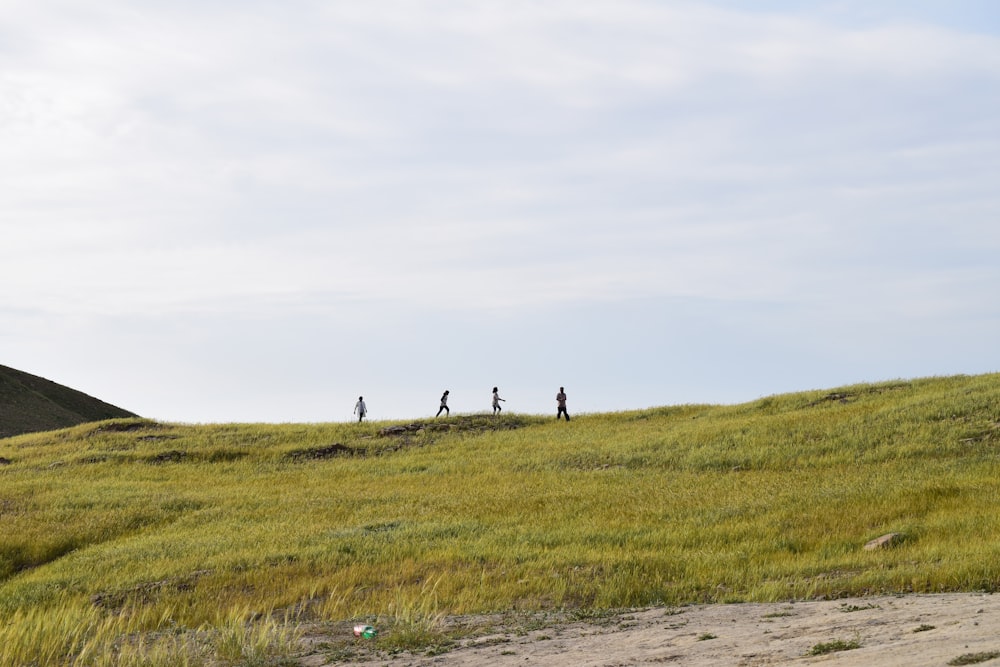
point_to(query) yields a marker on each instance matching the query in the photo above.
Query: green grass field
(134, 542)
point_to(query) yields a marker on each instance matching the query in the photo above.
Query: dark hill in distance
(29, 403)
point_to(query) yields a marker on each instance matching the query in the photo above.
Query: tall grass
(74, 634)
(190, 542)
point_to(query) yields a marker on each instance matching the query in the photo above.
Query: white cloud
(461, 158)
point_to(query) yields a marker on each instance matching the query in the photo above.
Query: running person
(444, 404)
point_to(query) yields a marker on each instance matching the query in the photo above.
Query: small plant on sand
(924, 628)
(974, 658)
(834, 646)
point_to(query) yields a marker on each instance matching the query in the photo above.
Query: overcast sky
(223, 211)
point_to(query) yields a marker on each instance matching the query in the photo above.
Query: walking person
(360, 408)
(561, 402)
(496, 400)
(444, 405)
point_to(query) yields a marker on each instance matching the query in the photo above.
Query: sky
(251, 211)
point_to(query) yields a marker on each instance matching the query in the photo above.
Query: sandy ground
(910, 630)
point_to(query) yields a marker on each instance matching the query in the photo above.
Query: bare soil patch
(892, 631)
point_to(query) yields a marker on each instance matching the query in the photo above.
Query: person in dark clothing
(561, 402)
(444, 404)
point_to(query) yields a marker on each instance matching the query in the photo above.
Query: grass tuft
(834, 646)
(974, 658)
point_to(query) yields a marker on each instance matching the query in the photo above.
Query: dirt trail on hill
(901, 631)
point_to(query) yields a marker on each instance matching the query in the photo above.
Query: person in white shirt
(496, 400)
(360, 408)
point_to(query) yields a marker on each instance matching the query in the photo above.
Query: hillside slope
(213, 529)
(29, 403)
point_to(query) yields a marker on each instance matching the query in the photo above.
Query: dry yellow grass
(189, 527)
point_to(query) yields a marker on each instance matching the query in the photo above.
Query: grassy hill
(138, 542)
(29, 404)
